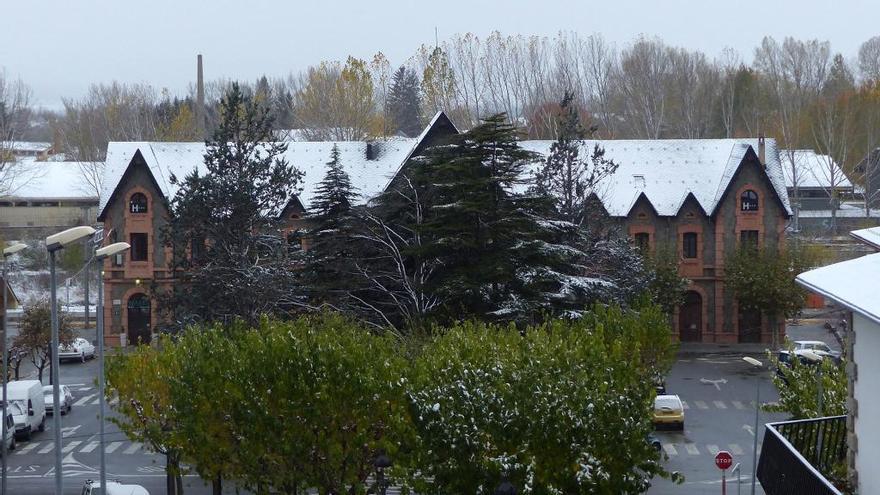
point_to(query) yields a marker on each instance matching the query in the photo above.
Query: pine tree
(403, 102)
(567, 177)
(329, 257)
(224, 226)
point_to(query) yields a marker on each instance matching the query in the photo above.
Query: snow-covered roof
(25, 146)
(813, 170)
(849, 283)
(868, 236)
(179, 159)
(667, 170)
(33, 179)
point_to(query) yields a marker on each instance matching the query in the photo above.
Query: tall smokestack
(762, 150)
(200, 99)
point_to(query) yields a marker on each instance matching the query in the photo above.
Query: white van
(27, 407)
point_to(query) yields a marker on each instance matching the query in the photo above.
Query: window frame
(134, 252)
(750, 239)
(131, 203)
(690, 240)
(749, 197)
(642, 241)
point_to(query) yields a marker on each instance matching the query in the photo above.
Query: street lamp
(381, 463)
(101, 255)
(55, 243)
(758, 364)
(9, 251)
(505, 488)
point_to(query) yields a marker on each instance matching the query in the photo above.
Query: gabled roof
(35, 180)
(870, 236)
(813, 170)
(164, 159)
(852, 284)
(667, 171)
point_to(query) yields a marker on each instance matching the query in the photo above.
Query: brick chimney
(762, 150)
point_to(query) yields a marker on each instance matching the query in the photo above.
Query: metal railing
(797, 456)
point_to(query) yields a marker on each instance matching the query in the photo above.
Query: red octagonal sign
(723, 460)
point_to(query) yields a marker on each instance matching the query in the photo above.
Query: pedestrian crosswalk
(718, 404)
(673, 449)
(82, 447)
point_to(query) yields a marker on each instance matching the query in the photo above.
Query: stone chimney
(762, 150)
(200, 99)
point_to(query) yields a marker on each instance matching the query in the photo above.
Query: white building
(852, 284)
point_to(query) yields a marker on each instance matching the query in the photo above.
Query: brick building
(699, 198)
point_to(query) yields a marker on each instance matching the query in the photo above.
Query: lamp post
(55, 243)
(9, 251)
(758, 364)
(101, 255)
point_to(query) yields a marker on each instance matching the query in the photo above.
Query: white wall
(867, 392)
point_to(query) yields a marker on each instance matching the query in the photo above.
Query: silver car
(79, 348)
(65, 396)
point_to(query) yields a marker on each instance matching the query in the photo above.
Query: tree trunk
(217, 485)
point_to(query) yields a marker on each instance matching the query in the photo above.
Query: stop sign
(723, 460)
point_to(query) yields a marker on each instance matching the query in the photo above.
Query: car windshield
(18, 407)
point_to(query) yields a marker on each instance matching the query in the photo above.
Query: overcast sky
(58, 47)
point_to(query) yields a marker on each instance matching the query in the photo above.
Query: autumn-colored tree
(35, 333)
(335, 101)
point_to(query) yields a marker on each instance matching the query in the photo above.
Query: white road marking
(700, 404)
(717, 383)
(47, 448)
(74, 384)
(670, 449)
(735, 449)
(89, 447)
(27, 448)
(84, 389)
(112, 447)
(712, 448)
(69, 430)
(133, 448)
(684, 405)
(749, 429)
(737, 404)
(719, 404)
(84, 400)
(70, 446)
(692, 449)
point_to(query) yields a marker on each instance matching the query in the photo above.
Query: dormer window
(749, 200)
(138, 203)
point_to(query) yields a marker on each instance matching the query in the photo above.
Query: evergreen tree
(403, 102)
(567, 177)
(224, 226)
(329, 256)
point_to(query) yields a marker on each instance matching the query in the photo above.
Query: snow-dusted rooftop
(165, 159)
(868, 236)
(851, 284)
(667, 170)
(813, 170)
(32, 179)
(25, 146)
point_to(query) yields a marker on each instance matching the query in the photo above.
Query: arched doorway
(749, 326)
(139, 319)
(690, 318)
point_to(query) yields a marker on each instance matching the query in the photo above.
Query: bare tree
(728, 64)
(869, 59)
(645, 69)
(14, 119)
(795, 72)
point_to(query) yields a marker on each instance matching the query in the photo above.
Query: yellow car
(668, 410)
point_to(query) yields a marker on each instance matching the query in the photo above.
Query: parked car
(668, 410)
(660, 385)
(113, 488)
(10, 432)
(78, 348)
(27, 407)
(817, 346)
(65, 396)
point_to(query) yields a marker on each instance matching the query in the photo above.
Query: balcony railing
(797, 456)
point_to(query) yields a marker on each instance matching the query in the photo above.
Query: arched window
(137, 203)
(749, 200)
